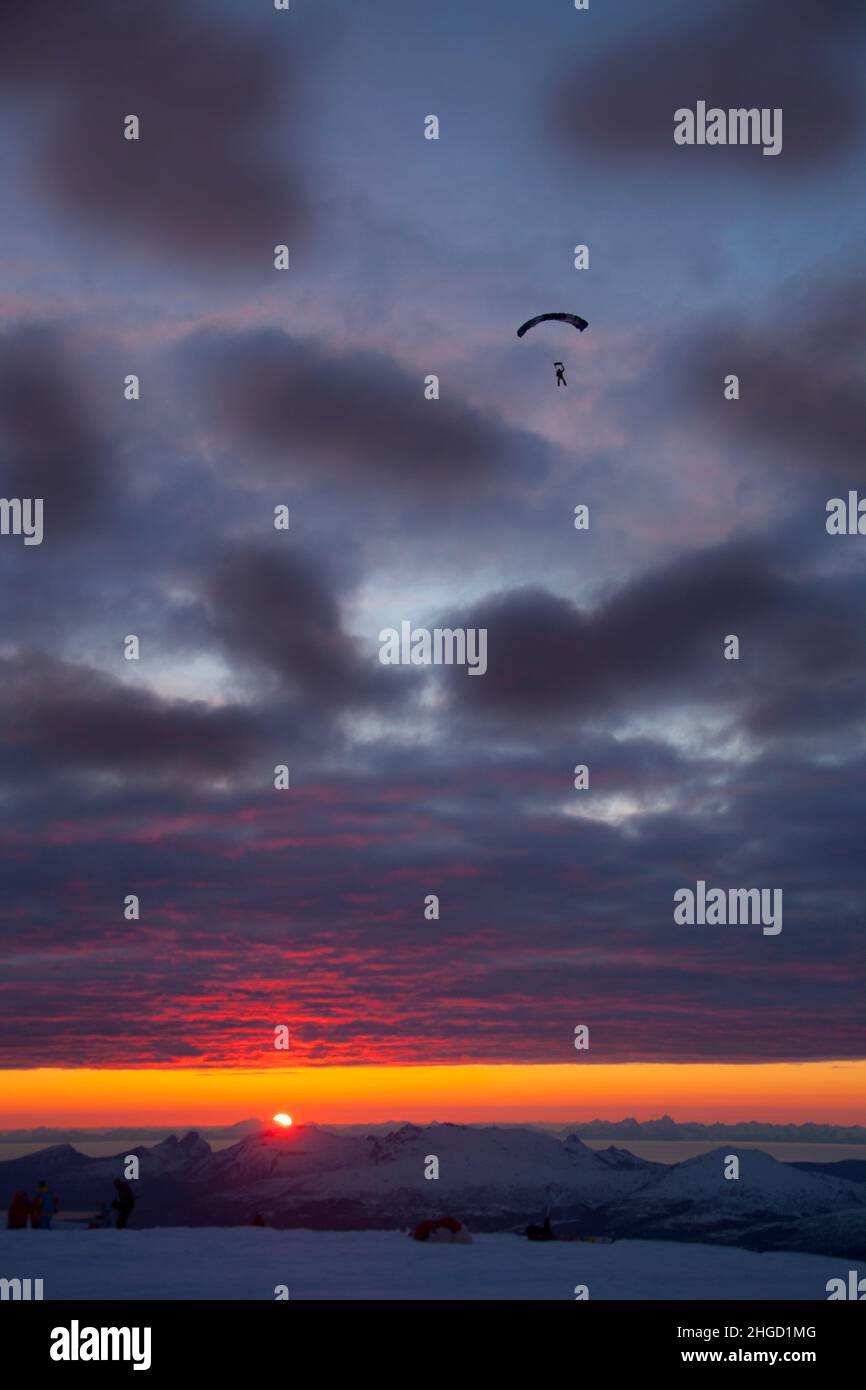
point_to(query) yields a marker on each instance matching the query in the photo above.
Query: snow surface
(247, 1263)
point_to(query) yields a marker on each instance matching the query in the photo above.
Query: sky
(304, 908)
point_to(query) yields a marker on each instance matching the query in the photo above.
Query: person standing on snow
(45, 1204)
(124, 1202)
(19, 1211)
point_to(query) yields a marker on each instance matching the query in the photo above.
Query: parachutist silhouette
(576, 322)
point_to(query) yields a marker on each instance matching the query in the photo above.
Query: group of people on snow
(39, 1212)
(42, 1209)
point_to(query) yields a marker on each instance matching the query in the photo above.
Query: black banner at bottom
(162, 1338)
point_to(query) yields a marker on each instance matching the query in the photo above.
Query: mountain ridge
(492, 1177)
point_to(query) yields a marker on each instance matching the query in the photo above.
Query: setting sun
(282, 1119)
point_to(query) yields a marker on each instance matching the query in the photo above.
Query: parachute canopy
(574, 319)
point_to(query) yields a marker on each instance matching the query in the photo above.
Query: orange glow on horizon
(829, 1092)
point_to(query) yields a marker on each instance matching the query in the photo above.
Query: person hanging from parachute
(576, 322)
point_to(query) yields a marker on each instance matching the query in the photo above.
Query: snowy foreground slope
(236, 1263)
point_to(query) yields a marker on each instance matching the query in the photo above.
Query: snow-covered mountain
(493, 1177)
(498, 1177)
(282, 1155)
(57, 1158)
(763, 1184)
(768, 1203)
(618, 1158)
(172, 1155)
(82, 1181)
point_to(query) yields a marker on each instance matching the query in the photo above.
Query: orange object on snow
(446, 1229)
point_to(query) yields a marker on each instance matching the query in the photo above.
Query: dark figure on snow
(123, 1203)
(543, 1232)
(45, 1204)
(19, 1212)
(560, 374)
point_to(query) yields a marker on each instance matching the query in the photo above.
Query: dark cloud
(802, 379)
(56, 713)
(209, 179)
(54, 440)
(781, 53)
(282, 611)
(308, 411)
(658, 641)
(545, 654)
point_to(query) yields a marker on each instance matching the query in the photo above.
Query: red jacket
(19, 1210)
